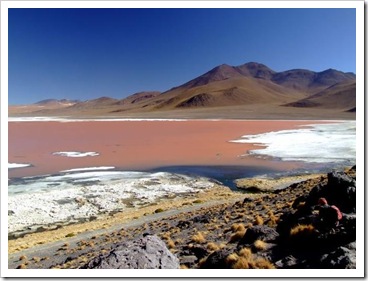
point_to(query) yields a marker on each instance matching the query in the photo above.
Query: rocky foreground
(286, 228)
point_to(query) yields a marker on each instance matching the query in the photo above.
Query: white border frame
(358, 5)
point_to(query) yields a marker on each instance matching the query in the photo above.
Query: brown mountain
(338, 96)
(252, 90)
(247, 84)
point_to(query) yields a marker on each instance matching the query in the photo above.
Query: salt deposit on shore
(319, 143)
(65, 198)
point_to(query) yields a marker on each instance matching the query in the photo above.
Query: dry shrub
(212, 246)
(241, 263)
(237, 227)
(198, 238)
(260, 245)
(302, 230)
(166, 236)
(183, 266)
(273, 219)
(231, 259)
(245, 253)
(303, 235)
(237, 235)
(258, 220)
(170, 244)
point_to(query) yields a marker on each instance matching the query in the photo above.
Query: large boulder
(149, 252)
(343, 258)
(259, 232)
(340, 190)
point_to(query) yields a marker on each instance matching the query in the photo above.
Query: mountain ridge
(224, 86)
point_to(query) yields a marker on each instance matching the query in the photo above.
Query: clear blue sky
(89, 53)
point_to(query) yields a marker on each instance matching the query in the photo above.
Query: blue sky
(89, 53)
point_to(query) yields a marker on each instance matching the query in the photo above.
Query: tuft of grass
(22, 258)
(212, 246)
(170, 244)
(183, 266)
(21, 266)
(198, 201)
(246, 253)
(241, 263)
(303, 235)
(260, 245)
(237, 227)
(199, 238)
(237, 236)
(159, 210)
(70, 234)
(302, 230)
(258, 220)
(231, 259)
(273, 219)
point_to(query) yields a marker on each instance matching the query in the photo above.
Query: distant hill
(338, 96)
(251, 87)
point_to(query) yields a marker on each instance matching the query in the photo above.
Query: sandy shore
(136, 145)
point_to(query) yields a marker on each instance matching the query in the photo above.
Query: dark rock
(247, 200)
(202, 219)
(340, 190)
(287, 262)
(198, 251)
(342, 258)
(188, 260)
(183, 224)
(259, 232)
(148, 252)
(217, 260)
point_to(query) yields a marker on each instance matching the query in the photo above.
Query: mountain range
(251, 90)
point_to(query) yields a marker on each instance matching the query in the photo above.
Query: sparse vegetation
(258, 220)
(199, 238)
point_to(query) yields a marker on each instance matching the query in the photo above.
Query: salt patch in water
(76, 154)
(37, 201)
(16, 165)
(88, 169)
(320, 143)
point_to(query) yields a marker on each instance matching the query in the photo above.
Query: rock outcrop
(148, 252)
(307, 235)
